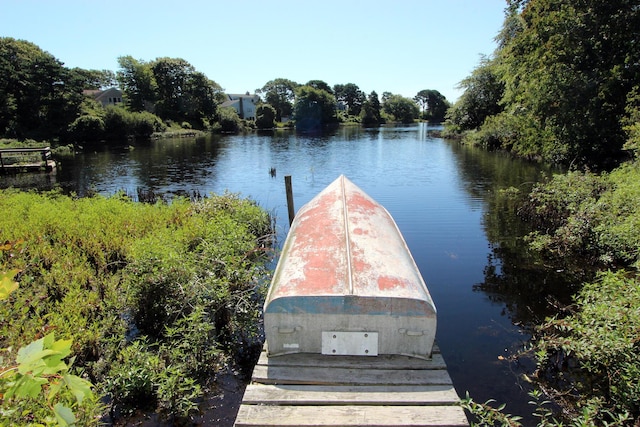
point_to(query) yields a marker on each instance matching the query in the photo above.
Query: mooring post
(289, 190)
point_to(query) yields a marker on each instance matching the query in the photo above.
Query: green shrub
(229, 120)
(177, 393)
(167, 290)
(595, 351)
(265, 117)
(120, 123)
(618, 212)
(563, 212)
(87, 128)
(144, 124)
(132, 380)
(591, 358)
(497, 132)
(592, 216)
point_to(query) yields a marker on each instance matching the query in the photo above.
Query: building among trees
(245, 105)
(111, 96)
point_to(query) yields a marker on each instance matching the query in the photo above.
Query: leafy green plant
(191, 343)
(591, 414)
(132, 379)
(40, 369)
(40, 375)
(595, 351)
(487, 415)
(177, 393)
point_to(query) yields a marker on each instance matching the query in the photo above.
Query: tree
(39, 97)
(319, 84)
(201, 98)
(567, 69)
(402, 109)
(351, 95)
(433, 104)
(170, 87)
(172, 76)
(385, 96)
(314, 109)
(95, 79)
(370, 114)
(137, 82)
(229, 120)
(483, 91)
(265, 116)
(280, 93)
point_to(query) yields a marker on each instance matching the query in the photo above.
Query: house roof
(98, 94)
(242, 95)
(230, 102)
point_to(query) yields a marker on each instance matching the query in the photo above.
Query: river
(445, 198)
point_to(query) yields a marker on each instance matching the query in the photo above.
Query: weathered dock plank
(378, 362)
(350, 395)
(320, 390)
(346, 376)
(348, 416)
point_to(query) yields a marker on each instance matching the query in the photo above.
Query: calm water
(443, 196)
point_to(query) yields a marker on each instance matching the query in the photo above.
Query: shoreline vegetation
(153, 301)
(562, 87)
(586, 225)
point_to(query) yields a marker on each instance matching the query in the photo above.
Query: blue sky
(399, 46)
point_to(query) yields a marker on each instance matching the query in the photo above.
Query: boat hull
(346, 283)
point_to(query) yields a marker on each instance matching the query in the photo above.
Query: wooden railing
(28, 159)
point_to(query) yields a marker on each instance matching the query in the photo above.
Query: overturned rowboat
(346, 283)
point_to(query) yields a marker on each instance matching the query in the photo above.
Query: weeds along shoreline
(156, 298)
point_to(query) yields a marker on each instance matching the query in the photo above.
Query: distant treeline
(41, 99)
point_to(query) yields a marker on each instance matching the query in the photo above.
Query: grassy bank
(155, 298)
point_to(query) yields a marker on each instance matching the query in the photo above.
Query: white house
(111, 96)
(245, 105)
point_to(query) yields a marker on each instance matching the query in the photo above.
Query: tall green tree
(563, 70)
(201, 98)
(95, 79)
(351, 95)
(433, 104)
(137, 82)
(280, 94)
(370, 113)
(320, 84)
(402, 109)
(314, 109)
(483, 90)
(171, 88)
(174, 79)
(39, 97)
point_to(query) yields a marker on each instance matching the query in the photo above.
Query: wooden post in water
(289, 190)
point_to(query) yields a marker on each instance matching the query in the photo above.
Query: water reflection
(446, 199)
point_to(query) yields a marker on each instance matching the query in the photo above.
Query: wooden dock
(321, 390)
(16, 160)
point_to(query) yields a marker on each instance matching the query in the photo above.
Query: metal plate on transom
(350, 343)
